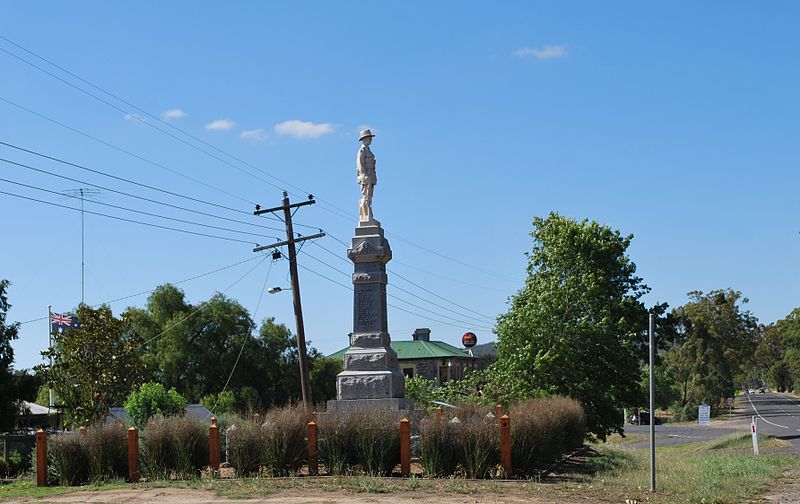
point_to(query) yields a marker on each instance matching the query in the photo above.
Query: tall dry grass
(542, 429)
(355, 442)
(174, 447)
(284, 432)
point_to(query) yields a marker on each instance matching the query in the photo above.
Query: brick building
(434, 360)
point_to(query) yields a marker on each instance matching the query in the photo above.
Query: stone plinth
(371, 376)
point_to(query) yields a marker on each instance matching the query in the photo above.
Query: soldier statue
(366, 177)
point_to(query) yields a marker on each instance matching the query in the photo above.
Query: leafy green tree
(716, 343)
(95, 366)
(771, 358)
(194, 348)
(8, 388)
(666, 387)
(323, 377)
(789, 329)
(191, 348)
(576, 327)
(152, 399)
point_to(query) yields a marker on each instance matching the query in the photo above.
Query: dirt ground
(185, 496)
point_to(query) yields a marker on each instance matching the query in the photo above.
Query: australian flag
(59, 322)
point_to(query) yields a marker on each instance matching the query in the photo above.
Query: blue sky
(677, 124)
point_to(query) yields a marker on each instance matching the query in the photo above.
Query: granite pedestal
(371, 378)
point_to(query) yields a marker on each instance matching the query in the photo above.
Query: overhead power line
(123, 179)
(424, 317)
(185, 231)
(417, 306)
(203, 305)
(124, 151)
(142, 212)
(137, 118)
(323, 203)
(469, 310)
(148, 291)
(130, 195)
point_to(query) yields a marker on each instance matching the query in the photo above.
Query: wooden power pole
(290, 242)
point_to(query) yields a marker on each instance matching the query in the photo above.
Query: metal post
(651, 331)
(83, 270)
(50, 341)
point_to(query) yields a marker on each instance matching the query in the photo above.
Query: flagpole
(50, 340)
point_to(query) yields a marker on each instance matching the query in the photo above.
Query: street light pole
(651, 328)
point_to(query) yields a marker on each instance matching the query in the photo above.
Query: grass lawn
(719, 471)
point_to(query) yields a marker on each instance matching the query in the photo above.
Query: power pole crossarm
(290, 243)
(281, 244)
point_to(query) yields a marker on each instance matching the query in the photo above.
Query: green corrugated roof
(418, 350)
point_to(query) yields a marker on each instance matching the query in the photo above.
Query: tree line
(191, 349)
(576, 328)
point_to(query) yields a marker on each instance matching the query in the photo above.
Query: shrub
(480, 445)
(284, 432)
(191, 442)
(68, 454)
(245, 444)
(107, 446)
(439, 446)
(335, 442)
(541, 429)
(175, 446)
(375, 441)
(150, 400)
(365, 441)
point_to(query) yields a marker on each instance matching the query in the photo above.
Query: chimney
(421, 334)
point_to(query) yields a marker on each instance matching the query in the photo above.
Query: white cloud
(220, 124)
(175, 113)
(130, 116)
(303, 129)
(543, 53)
(254, 135)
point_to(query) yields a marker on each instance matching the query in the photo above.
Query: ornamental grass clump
(68, 454)
(375, 441)
(439, 446)
(107, 447)
(191, 447)
(480, 445)
(245, 446)
(335, 442)
(175, 447)
(542, 429)
(284, 439)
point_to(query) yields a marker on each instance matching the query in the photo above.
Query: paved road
(668, 434)
(779, 414)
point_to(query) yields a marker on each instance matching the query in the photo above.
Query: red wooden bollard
(505, 445)
(313, 467)
(438, 411)
(41, 458)
(213, 444)
(405, 448)
(133, 455)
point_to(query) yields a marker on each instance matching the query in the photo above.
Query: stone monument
(371, 376)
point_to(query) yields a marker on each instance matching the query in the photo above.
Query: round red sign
(469, 340)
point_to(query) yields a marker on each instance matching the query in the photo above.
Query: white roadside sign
(704, 414)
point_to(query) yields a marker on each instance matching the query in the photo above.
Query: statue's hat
(365, 133)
